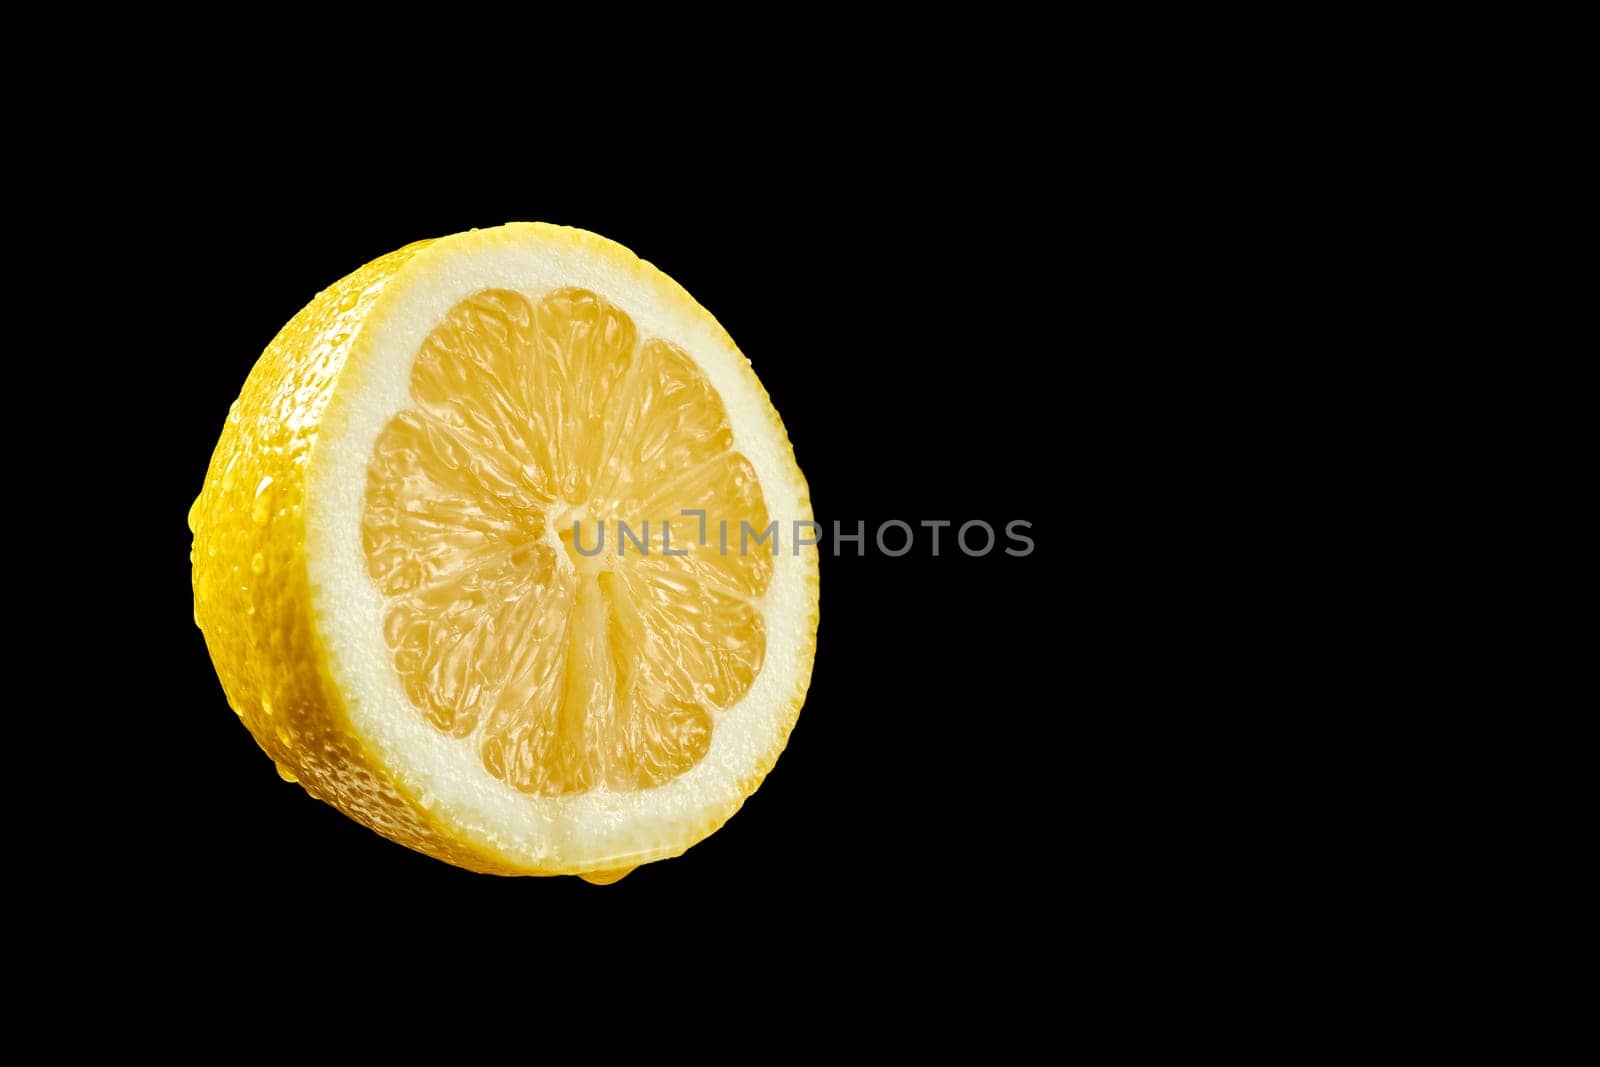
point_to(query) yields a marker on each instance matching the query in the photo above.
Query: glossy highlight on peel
(386, 575)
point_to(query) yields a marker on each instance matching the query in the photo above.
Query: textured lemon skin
(252, 595)
(252, 599)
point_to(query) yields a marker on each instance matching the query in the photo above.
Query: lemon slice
(459, 558)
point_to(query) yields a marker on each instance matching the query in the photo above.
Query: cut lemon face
(503, 553)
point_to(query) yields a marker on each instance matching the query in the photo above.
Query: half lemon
(504, 553)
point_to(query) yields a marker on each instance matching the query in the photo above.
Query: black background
(926, 340)
(1043, 286)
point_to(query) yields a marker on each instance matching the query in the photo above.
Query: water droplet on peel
(227, 476)
(284, 772)
(258, 564)
(261, 510)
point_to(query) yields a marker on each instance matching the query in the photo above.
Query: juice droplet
(285, 773)
(227, 477)
(258, 564)
(607, 877)
(266, 707)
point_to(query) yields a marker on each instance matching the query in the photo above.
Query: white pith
(600, 828)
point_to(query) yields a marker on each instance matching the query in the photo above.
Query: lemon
(459, 557)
